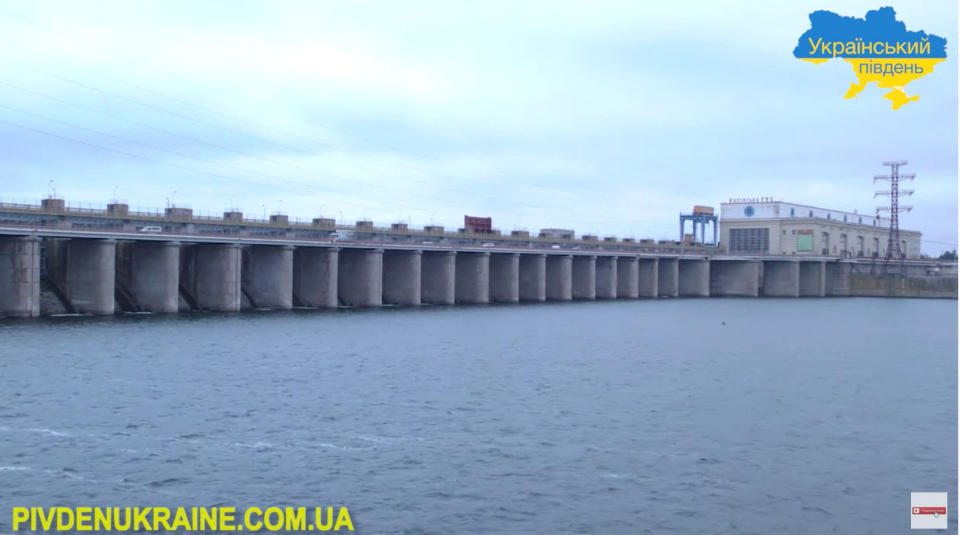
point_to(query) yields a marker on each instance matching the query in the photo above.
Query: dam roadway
(104, 272)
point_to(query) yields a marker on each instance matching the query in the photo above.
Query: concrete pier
(211, 275)
(505, 277)
(150, 272)
(628, 277)
(585, 277)
(606, 283)
(401, 277)
(360, 277)
(267, 276)
(84, 271)
(813, 279)
(735, 278)
(668, 275)
(20, 277)
(648, 280)
(315, 276)
(438, 277)
(781, 278)
(473, 278)
(693, 278)
(559, 270)
(533, 277)
(838, 278)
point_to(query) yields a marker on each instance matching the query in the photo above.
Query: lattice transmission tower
(895, 252)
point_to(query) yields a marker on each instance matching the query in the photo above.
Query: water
(793, 416)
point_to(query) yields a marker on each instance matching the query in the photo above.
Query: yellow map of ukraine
(879, 48)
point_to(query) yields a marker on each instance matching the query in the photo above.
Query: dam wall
(20, 277)
(693, 278)
(148, 273)
(41, 276)
(505, 277)
(402, 282)
(899, 285)
(533, 277)
(315, 276)
(267, 276)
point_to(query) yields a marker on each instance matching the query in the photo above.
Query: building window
(844, 218)
(828, 216)
(784, 232)
(749, 240)
(791, 212)
(794, 231)
(749, 211)
(861, 220)
(811, 213)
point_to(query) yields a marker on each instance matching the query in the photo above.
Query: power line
(237, 132)
(214, 145)
(130, 154)
(158, 108)
(138, 156)
(169, 75)
(124, 119)
(215, 112)
(173, 75)
(140, 143)
(161, 130)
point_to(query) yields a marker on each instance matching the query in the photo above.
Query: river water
(671, 416)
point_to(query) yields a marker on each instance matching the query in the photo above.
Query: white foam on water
(48, 432)
(388, 440)
(38, 430)
(341, 448)
(15, 468)
(259, 445)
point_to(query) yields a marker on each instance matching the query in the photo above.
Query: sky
(606, 117)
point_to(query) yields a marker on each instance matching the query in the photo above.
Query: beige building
(765, 226)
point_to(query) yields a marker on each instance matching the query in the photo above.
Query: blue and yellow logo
(878, 46)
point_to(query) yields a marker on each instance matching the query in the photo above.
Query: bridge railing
(156, 215)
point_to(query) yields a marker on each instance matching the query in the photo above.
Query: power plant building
(764, 226)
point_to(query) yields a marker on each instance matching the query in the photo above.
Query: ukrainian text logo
(878, 47)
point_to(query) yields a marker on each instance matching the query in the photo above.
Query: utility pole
(894, 251)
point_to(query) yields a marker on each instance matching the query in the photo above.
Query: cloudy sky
(605, 117)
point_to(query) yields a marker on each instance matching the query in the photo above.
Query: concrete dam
(66, 267)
